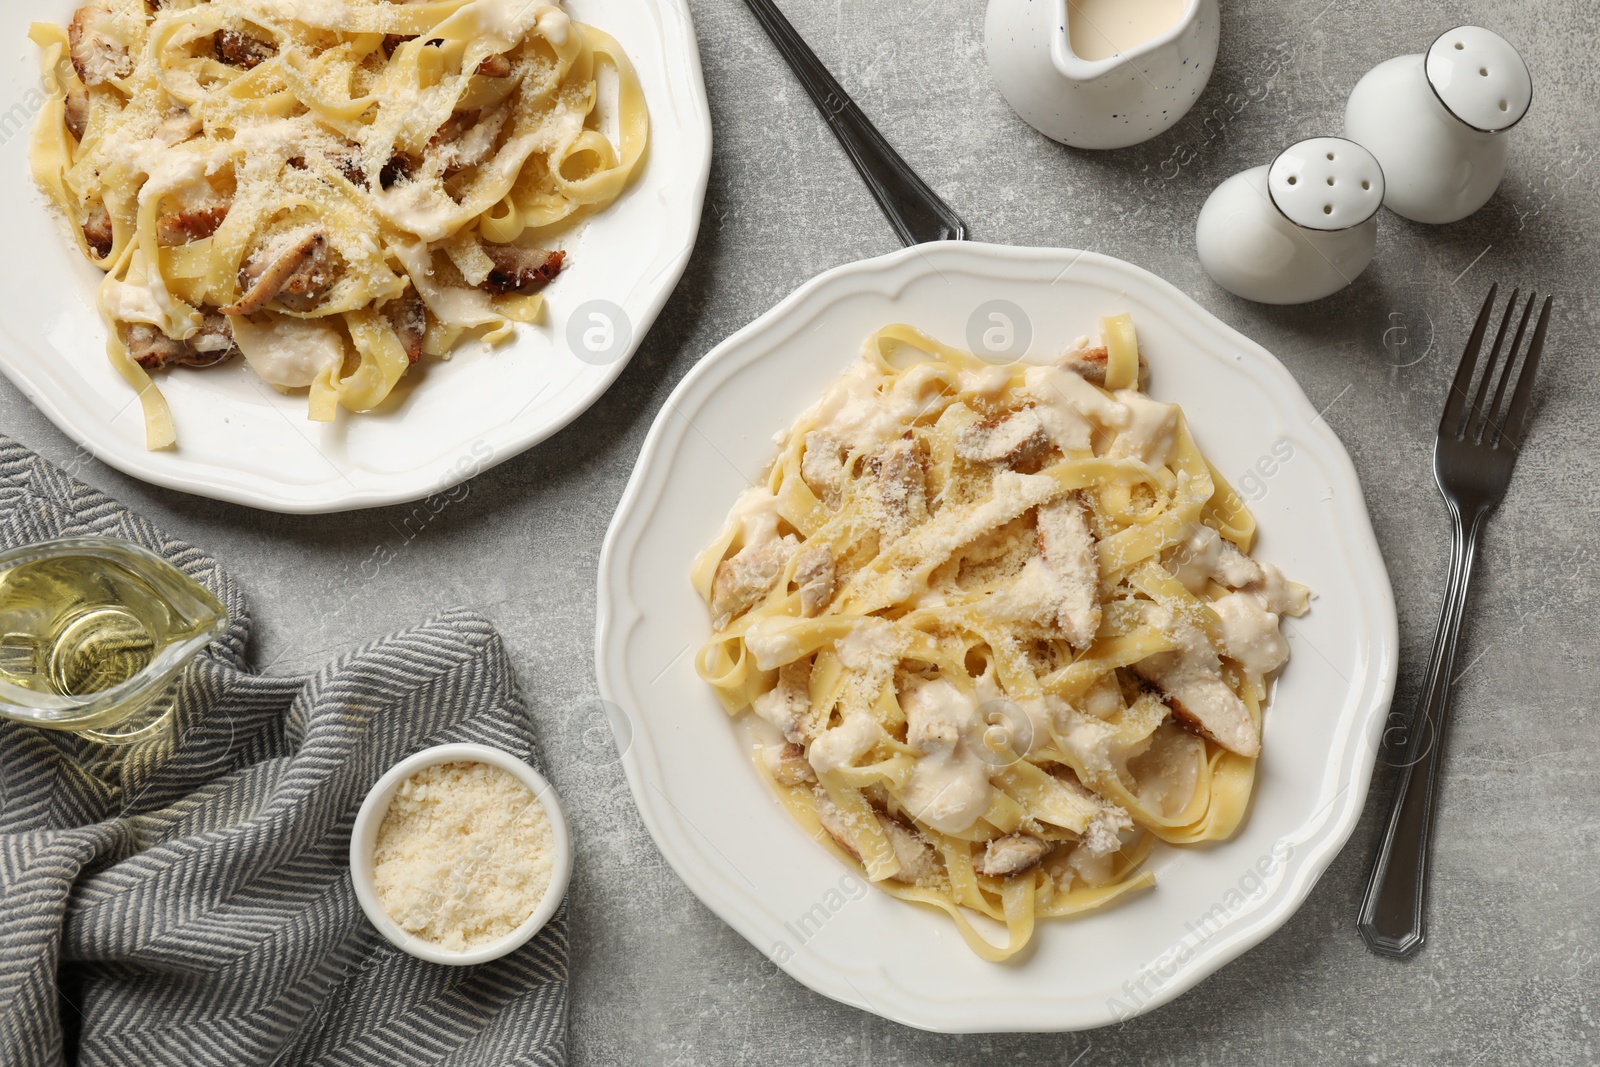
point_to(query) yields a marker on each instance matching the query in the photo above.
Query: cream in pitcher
(1100, 29)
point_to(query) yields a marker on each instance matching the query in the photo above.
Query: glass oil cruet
(94, 630)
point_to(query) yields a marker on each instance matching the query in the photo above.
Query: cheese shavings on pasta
(331, 188)
(1002, 627)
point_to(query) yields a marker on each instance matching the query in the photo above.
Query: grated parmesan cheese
(465, 854)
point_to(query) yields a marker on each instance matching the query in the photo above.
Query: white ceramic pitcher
(1123, 99)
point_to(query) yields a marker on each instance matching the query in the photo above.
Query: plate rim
(617, 614)
(685, 75)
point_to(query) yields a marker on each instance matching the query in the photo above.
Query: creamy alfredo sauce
(1100, 29)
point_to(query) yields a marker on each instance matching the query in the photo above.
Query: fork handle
(914, 210)
(1391, 919)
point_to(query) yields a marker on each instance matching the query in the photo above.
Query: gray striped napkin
(188, 901)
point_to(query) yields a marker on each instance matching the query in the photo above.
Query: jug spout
(1095, 35)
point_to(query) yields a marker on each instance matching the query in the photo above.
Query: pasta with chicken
(1001, 627)
(332, 190)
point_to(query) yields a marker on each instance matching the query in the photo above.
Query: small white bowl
(364, 840)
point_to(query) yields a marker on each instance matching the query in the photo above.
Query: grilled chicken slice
(1068, 550)
(310, 282)
(149, 347)
(787, 764)
(788, 704)
(1016, 439)
(296, 271)
(98, 55)
(911, 849)
(241, 49)
(1011, 855)
(97, 231)
(747, 576)
(152, 349)
(520, 270)
(1190, 679)
(822, 467)
(1103, 836)
(350, 166)
(1090, 365)
(190, 224)
(409, 317)
(467, 139)
(814, 574)
(215, 340)
(902, 486)
(834, 821)
(77, 112)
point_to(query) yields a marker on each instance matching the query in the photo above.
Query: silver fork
(1479, 438)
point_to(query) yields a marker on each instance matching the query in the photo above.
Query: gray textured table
(1509, 973)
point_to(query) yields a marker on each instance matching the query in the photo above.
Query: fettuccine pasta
(1001, 628)
(331, 189)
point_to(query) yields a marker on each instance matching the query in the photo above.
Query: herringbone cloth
(188, 901)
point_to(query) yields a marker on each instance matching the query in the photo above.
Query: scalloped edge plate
(240, 440)
(738, 851)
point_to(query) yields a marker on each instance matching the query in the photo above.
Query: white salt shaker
(1437, 122)
(1299, 229)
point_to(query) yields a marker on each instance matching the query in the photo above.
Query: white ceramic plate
(724, 833)
(240, 440)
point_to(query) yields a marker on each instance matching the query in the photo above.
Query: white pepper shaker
(1437, 122)
(1299, 229)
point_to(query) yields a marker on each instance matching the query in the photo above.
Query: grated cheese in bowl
(464, 854)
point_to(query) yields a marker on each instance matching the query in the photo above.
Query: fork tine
(1495, 416)
(1477, 419)
(1456, 401)
(1517, 416)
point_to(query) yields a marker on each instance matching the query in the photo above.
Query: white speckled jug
(1299, 229)
(1114, 102)
(1437, 122)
